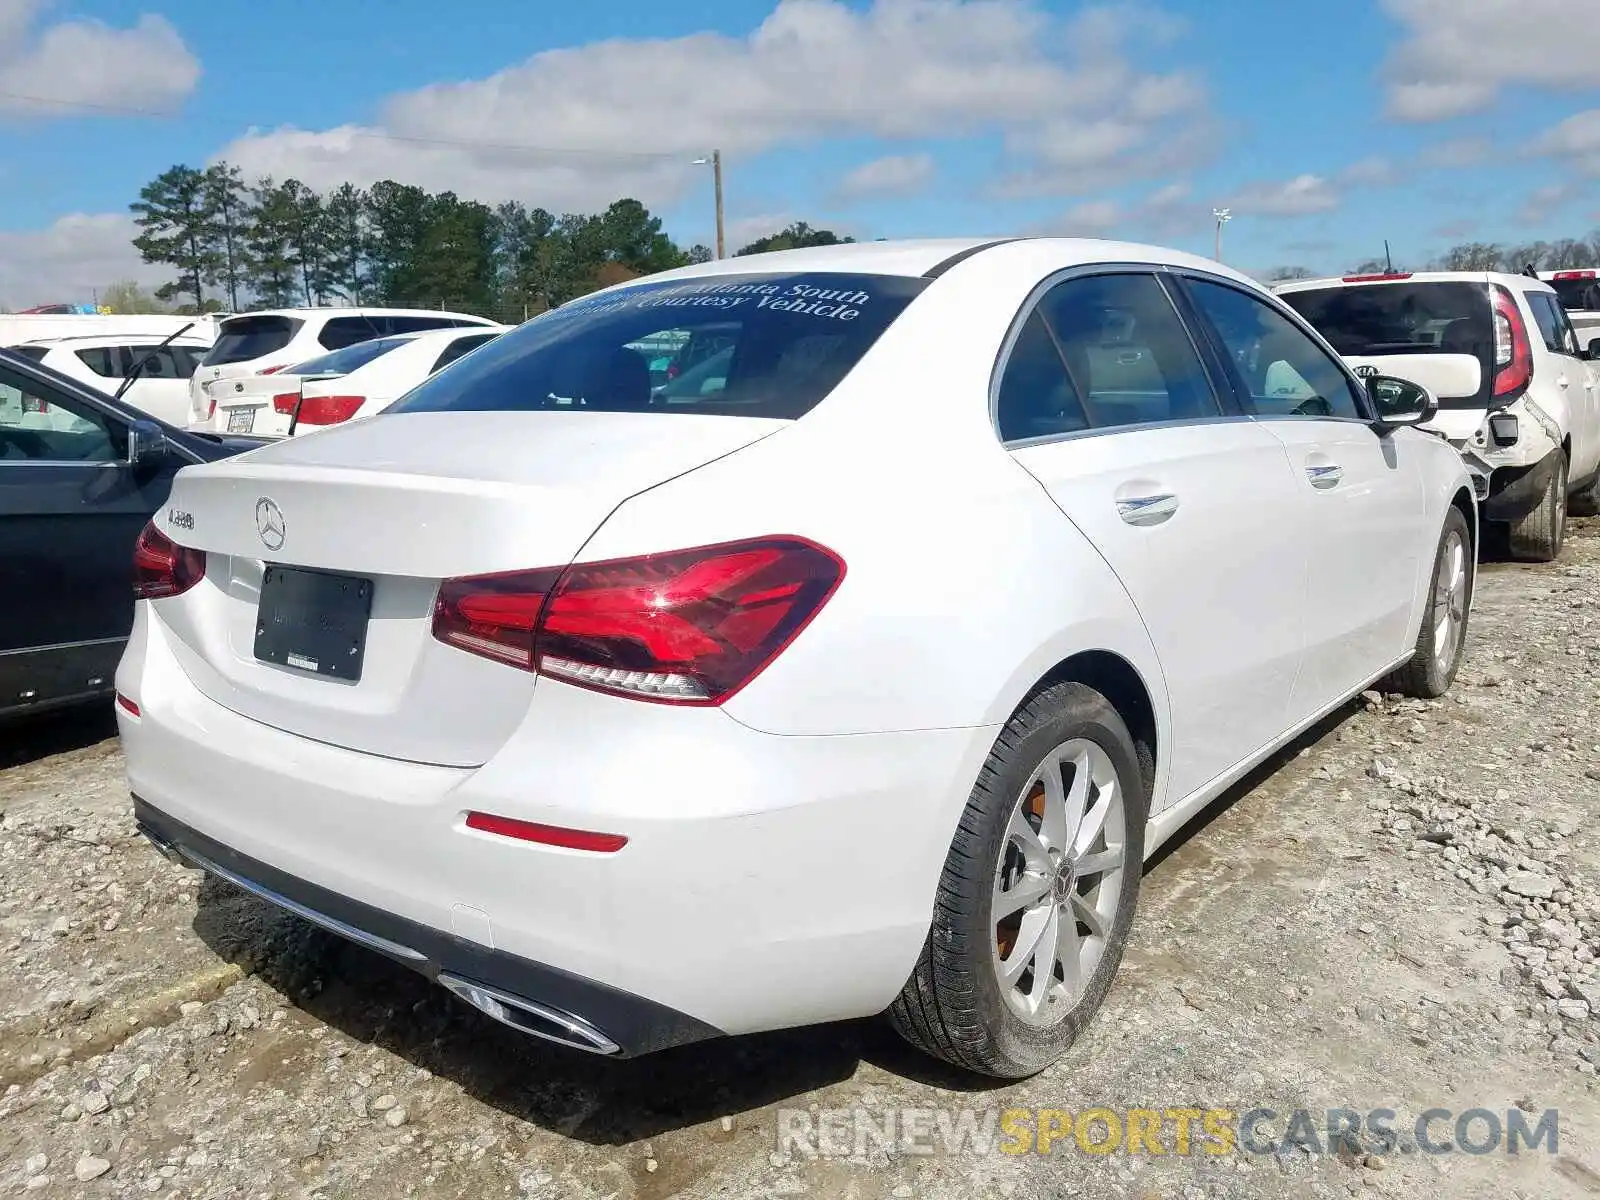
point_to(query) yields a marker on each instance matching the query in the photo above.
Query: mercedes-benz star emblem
(269, 524)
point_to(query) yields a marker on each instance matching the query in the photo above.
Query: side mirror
(1591, 352)
(1400, 402)
(147, 445)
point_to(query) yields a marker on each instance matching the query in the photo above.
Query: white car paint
(251, 405)
(297, 334)
(103, 360)
(1559, 406)
(785, 844)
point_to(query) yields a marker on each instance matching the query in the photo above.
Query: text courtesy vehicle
(1518, 396)
(906, 633)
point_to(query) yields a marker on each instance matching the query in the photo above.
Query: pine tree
(178, 229)
(225, 198)
(345, 242)
(271, 244)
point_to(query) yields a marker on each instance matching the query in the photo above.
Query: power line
(462, 143)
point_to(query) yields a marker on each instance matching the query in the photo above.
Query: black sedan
(80, 474)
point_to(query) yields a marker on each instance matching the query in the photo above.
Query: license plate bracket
(313, 621)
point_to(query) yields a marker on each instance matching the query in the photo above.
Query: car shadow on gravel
(377, 1002)
(33, 736)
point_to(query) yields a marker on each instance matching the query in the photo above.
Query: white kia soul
(863, 675)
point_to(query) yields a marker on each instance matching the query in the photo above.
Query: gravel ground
(1402, 911)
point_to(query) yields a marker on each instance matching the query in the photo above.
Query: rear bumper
(767, 882)
(1517, 491)
(532, 997)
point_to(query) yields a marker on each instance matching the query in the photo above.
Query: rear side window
(459, 347)
(418, 324)
(1552, 322)
(117, 362)
(789, 340)
(242, 339)
(104, 361)
(342, 362)
(340, 332)
(36, 353)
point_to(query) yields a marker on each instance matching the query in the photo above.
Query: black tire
(952, 1007)
(1429, 674)
(1538, 536)
(1587, 502)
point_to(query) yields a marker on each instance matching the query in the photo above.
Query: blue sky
(1326, 125)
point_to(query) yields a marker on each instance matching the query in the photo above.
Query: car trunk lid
(399, 503)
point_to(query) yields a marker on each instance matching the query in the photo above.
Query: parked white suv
(1517, 395)
(260, 343)
(1579, 293)
(105, 361)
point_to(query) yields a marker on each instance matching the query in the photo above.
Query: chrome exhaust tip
(531, 1017)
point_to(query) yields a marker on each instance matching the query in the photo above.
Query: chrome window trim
(1089, 271)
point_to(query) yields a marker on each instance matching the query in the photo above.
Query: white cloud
(1298, 197)
(1575, 141)
(1168, 212)
(85, 62)
(896, 175)
(624, 117)
(1458, 54)
(1544, 202)
(1457, 153)
(66, 262)
(1372, 172)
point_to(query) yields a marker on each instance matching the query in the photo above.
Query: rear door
(1575, 377)
(1358, 495)
(71, 507)
(1104, 399)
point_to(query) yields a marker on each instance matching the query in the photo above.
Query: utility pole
(715, 163)
(1223, 216)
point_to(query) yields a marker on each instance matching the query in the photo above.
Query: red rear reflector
(326, 410)
(686, 627)
(162, 568)
(1573, 275)
(546, 835)
(125, 703)
(1376, 278)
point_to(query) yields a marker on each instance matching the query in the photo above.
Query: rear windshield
(342, 362)
(242, 339)
(1578, 295)
(1400, 318)
(746, 345)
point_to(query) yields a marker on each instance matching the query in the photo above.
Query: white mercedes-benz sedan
(861, 675)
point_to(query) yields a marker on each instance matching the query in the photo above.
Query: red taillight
(546, 835)
(322, 410)
(1376, 278)
(1573, 275)
(686, 627)
(211, 409)
(163, 568)
(284, 402)
(272, 370)
(127, 705)
(1513, 355)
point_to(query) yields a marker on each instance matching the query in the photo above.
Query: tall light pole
(715, 163)
(1223, 216)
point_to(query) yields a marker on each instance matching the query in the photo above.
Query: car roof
(930, 257)
(1523, 282)
(362, 311)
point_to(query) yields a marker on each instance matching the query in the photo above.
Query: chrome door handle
(1324, 477)
(1147, 510)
